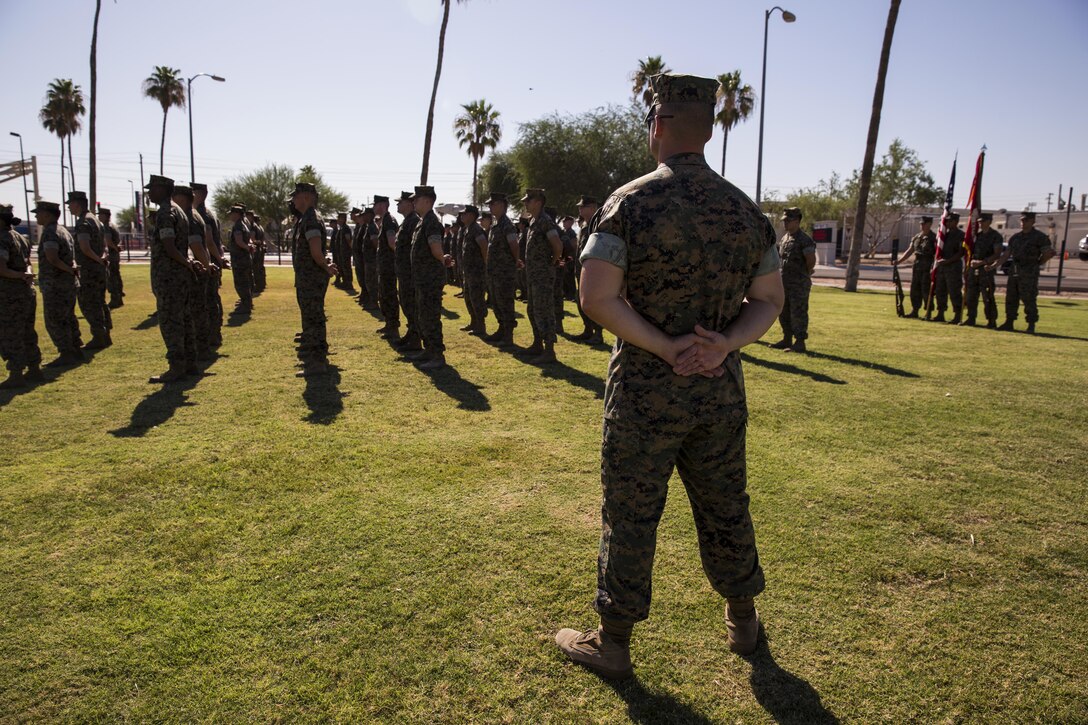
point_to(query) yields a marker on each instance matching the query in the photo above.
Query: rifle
(898, 282)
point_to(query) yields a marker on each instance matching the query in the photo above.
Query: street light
(132, 190)
(789, 18)
(22, 168)
(189, 95)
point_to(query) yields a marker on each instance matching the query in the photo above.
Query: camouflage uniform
(357, 236)
(1026, 250)
(474, 273)
(459, 255)
(523, 283)
(540, 276)
(429, 278)
(342, 242)
(214, 303)
(198, 295)
(796, 282)
(18, 339)
(502, 271)
(583, 236)
(388, 302)
(260, 279)
(981, 280)
(403, 264)
(241, 264)
(59, 290)
(115, 286)
(93, 277)
(690, 243)
(950, 274)
(311, 285)
(369, 246)
(924, 246)
(173, 284)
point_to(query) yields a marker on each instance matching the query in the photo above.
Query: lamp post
(189, 96)
(22, 168)
(789, 18)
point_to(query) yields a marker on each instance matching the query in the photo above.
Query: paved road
(1074, 274)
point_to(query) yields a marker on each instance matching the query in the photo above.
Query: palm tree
(640, 79)
(92, 186)
(165, 86)
(735, 104)
(434, 90)
(853, 263)
(60, 115)
(477, 128)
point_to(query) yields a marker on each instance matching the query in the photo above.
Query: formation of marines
(1029, 249)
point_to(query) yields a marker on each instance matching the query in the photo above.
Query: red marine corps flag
(974, 206)
(941, 234)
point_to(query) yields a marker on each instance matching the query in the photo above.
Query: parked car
(1084, 249)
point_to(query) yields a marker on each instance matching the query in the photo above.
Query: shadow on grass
(151, 321)
(644, 706)
(157, 408)
(238, 317)
(450, 314)
(886, 369)
(792, 369)
(1053, 336)
(577, 378)
(467, 394)
(6, 396)
(786, 697)
(323, 397)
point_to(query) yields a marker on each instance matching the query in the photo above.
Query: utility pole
(1060, 202)
(1065, 237)
(1049, 194)
(142, 208)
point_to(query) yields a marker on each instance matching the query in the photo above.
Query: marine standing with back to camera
(682, 267)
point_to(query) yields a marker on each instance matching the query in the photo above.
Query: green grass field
(384, 545)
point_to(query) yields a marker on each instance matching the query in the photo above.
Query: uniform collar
(688, 158)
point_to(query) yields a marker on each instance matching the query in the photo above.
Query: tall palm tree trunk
(92, 181)
(434, 93)
(475, 162)
(725, 144)
(853, 264)
(63, 197)
(71, 167)
(162, 145)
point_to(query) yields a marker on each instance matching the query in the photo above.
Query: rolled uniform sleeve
(770, 261)
(608, 236)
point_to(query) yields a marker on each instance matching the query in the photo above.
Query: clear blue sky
(344, 85)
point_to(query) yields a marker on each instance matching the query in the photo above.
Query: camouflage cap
(77, 196)
(404, 196)
(303, 187)
(157, 180)
(49, 207)
(682, 88)
(340, 214)
(356, 211)
(197, 186)
(486, 215)
(256, 217)
(985, 217)
(791, 212)
(237, 209)
(497, 197)
(954, 216)
(369, 210)
(183, 190)
(104, 210)
(1027, 215)
(7, 211)
(380, 199)
(588, 201)
(534, 194)
(424, 191)
(471, 209)
(927, 220)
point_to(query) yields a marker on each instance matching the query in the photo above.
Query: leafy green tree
(640, 79)
(569, 155)
(736, 101)
(265, 190)
(165, 86)
(477, 128)
(126, 218)
(60, 115)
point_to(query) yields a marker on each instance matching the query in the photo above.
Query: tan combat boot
(597, 651)
(175, 373)
(742, 622)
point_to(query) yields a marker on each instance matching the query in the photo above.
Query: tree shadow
(786, 697)
(238, 317)
(152, 320)
(792, 369)
(577, 378)
(323, 397)
(467, 394)
(886, 369)
(645, 706)
(158, 407)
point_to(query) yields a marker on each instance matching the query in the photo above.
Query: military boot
(969, 322)
(1006, 326)
(409, 343)
(494, 336)
(939, 317)
(956, 318)
(98, 342)
(797, 346)
(434, 363)
(991, 324)
(313, 368)
(913, 313)
(15, 381)
(742, 623)
(596, 338)
(175, 373)
(785, 343)
(597, 651)
(34, 374)
(479, 329)
(537, 348)
(506, 342)
(546, 357)
(1031, 328)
